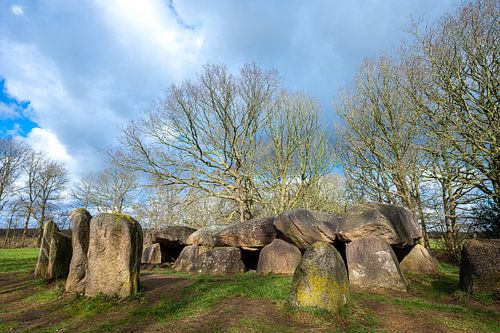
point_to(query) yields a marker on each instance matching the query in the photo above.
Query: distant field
(179, 302)
(18, 260)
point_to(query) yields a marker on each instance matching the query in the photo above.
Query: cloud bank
(87, 68)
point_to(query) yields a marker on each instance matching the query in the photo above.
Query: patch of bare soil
(236, 314)
(15, 286)
(157, 284)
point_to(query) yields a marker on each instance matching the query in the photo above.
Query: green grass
(208, 291)
(433, 298)
(18, 260)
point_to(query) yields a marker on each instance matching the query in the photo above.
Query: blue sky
(73, 72)
(13, 114)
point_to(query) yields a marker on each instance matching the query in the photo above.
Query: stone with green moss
(320, 280)
(114, 256)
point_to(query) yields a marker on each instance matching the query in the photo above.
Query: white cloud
(17, 10)
(44, 140)
(89, 67)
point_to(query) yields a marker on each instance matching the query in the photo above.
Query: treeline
(31, 190)
(421, 128)
(418, 128)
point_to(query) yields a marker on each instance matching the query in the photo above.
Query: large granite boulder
(372, 264)
(279, 257)
(396, 225)
(55, 254)
(320, 279)
(172, 240)
(188, 258)
(151, 255)
(80, 226)
(218, 261)
(252, 234)
(206, 236)
(205, 260)
(419, 261)
(114, 256)
(480, 267)
(304, 227)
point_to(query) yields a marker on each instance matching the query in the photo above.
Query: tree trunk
(40, 227)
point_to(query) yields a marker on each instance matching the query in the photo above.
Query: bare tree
(12, 155)
(30, 192)
(460, 57)
(51, 183)
(295, 155)
(111, 190)
(380, 136)
(82, 191)
(205, 134)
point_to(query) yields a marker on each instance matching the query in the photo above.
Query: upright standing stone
(55, 254)
(372, 264)
(80, 225)
(43, 256)
(279, 257)
(320, 280)
(151, 255)
(114, 255)
(419, 261)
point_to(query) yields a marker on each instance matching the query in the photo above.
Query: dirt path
(232, 314)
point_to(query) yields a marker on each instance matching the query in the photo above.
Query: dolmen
(369, 247)
(373, 244)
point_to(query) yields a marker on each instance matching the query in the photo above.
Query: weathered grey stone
(279, 257)
(372, 264)
(188, 258)
(480, 267)
(252, 234)
(43, 255)
(219, 261)
(55, 254)
(151, 255)
(172, 240)
(419, 261)
(396, 225)
(207, 236)
(320, 279)
(304, 227)
(80, 226)
(114, 256)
